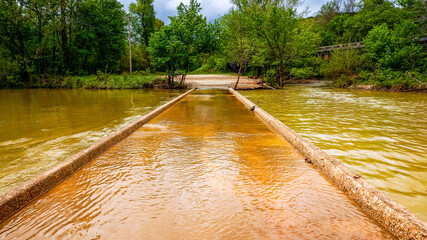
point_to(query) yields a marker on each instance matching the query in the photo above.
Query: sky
(212, 9)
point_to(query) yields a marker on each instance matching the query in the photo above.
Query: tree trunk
(240, 57)
(170, 81)
(64, 36)
(71, 58)
(39, 49)
(281, 73)
(281, 80)
(238, 76)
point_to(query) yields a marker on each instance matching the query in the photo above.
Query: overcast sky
(212, 9)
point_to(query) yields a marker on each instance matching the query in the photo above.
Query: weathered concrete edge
(391, 215)
(17, 198)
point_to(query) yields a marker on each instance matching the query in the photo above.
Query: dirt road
(222, 81)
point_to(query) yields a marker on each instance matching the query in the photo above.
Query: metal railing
(357, 45)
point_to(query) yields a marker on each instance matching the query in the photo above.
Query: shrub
(344, 81)
(389, 78)
(394, 49)
(270, 78)
(342, 62)
(302, 73)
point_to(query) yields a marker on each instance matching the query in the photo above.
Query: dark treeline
(268, 39)
(57, 37)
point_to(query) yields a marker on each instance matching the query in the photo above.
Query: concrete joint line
(391, 215)
(17, 198)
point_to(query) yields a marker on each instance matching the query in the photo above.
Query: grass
(100, 81)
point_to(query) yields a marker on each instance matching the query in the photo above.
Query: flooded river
(40, 127)
(204, 169)
(381, 135)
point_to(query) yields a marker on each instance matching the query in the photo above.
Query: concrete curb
(17, 198)
(391, 215)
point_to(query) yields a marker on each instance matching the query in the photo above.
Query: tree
(336, 31)
(158, 24)
(371, 14)
(328, 11)
(182, 43)
(16, 34)
(236, 23)
(99, 38)
(394, 49)
(274, 24)
(350, 6)
(143, 19)
(418, 8)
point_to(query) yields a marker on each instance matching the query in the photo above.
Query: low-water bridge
(208, 164)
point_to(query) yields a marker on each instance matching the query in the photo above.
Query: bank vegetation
(70, 43)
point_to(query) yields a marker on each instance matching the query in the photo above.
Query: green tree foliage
(336, 31)
(343, 62)
(144, 19)
(99, 39)
(183, 43)
(394, 48)
(307, 40)
(42, 39)
(328, 11)
(418, 8)
(277, 28)
(17, 36)
(140, 58)
(237, 43)
(389, 31)
(158, 24)
(60, 37)
(353, 27)
(371, 14)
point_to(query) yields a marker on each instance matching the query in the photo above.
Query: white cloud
(211, 9)
(312, 5)
(214, 9)
(171, 4)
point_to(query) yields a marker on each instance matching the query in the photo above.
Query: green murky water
(380, 135)
(40, 127)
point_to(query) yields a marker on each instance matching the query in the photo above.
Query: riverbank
(98, 81)
(362, 86)
(150, 81)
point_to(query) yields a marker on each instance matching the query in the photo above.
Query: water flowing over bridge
(209, 164)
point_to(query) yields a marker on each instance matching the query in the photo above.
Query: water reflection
(40, 127)
(381, 135)
(204, 169)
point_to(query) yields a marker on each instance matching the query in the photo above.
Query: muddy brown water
(380, 135)
(204, 169)
(41, 127)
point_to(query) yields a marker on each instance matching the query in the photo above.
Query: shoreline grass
(99, 81)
